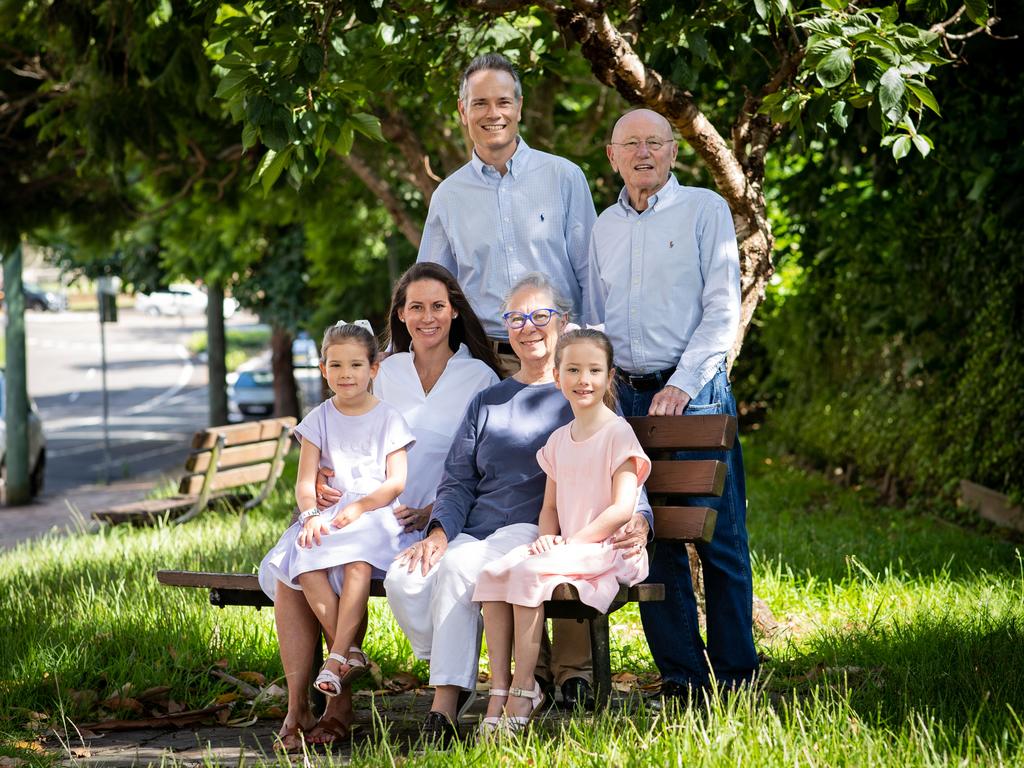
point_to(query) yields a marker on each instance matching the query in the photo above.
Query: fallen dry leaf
(172, 652)
(222, 663)
(625, 682)
(223, 716)
(174, 707)
(11, 762)
(156, 694)
(179, 720)
(274, 713)
(226, 698)
(84, 699)
(256, 678)
(119, 702)
(272, 692)
(29, 746)
(80, 752)
(403, 681)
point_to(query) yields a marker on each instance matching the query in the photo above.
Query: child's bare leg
(322, 601)
(529, 623)
(498, 630)
(355, 593)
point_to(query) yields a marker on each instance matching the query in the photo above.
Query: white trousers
(437, 612)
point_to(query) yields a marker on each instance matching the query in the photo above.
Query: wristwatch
(311, 512)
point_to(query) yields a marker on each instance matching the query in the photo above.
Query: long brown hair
(598, 339)
(466, 328)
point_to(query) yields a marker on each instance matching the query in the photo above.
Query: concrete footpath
(68, 510)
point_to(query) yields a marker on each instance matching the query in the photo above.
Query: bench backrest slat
(687, 523)
(238, 434)
(228, 478)
(238, 456)
(703, 477)
(685, 433)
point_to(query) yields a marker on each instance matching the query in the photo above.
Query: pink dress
(582, 471)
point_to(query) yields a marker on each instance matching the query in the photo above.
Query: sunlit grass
(901, 638)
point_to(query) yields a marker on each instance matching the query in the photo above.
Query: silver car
(179, 299)
(36, 443)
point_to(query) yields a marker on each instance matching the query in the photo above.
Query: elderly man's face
(643, 169)
(491, 112)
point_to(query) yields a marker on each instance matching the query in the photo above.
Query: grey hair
(540, 282)
(493, 61)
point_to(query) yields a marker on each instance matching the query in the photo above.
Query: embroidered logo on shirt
(670, 244)
(542, 217)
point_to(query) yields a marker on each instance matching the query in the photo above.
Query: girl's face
(530, 343)
(427, 314)
(583, 374)
(347, 369)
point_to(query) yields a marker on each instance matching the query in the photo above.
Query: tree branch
(396, 128)
(383, 191)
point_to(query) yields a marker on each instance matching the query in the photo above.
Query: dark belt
(643, 382)
(502, 347)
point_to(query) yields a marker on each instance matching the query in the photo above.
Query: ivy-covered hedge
(893, 339)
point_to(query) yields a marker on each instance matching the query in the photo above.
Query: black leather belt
(502, 347)
(643, 382)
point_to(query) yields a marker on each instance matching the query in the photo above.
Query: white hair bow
(589, 327)
(361, 323)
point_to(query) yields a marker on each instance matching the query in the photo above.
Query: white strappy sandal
(335, 683)
(518, 723)
(490, 726)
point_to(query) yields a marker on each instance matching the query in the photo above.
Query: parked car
(39, 299)
(179, 299)
(305, 353)
(36, 443)
(251, 392)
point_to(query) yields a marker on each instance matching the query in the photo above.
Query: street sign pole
(106, 295)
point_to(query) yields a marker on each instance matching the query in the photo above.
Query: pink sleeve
(546, 456)
(624, 446)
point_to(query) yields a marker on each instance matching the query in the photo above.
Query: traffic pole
(18, 490)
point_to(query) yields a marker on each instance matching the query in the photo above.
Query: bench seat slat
(686, 478)
(688, 433)
(237, 434)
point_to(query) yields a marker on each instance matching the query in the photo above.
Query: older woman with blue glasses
(488, 503)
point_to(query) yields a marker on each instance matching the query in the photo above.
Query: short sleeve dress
(583, 473)
(356, 449)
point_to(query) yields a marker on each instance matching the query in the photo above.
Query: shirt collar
(516, 164)
(668, 191)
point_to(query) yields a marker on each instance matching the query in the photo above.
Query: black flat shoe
(576, 692)
(438, 730)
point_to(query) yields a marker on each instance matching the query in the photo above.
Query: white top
(435, 417)
(356, 447)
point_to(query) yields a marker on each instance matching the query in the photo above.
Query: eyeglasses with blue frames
(539, 317)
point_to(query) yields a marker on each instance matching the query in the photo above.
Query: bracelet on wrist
(311, 512)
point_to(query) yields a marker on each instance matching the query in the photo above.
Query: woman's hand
(545, 543)
(412, 519)
(632, 537)
(349, 514)
(425, 553)
(313, 531)
(326, 496)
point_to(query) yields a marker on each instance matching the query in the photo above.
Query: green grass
(241, 344)
(902, 640)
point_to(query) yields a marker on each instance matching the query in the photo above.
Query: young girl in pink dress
(595, 466)
(364, 442)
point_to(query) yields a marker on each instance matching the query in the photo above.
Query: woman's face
(427, 314)
(530, 343)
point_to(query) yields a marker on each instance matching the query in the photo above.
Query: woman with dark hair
(440, 360)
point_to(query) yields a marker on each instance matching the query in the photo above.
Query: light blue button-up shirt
(666, 283)
(490, 230)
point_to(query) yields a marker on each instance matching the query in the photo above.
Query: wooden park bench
(222, 462)
(670, 481)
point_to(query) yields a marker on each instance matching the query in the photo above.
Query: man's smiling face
(491, 114)
(643, 170)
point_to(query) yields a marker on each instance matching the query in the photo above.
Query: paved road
(157, 393)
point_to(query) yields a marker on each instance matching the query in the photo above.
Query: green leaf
(835, 5)
(275, 135)
(923, 144)
(250, 134)
(901, 147)
(835, 68)
(977, 11)
(232, 83)
(344, 143)
(841, 114)
(925, 95)
(761, 7)
(368, 125)
(697, 44)
(890, 95)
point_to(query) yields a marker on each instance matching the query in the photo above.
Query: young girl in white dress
(364, 442)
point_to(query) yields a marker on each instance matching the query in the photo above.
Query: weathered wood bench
(222, 461)
(671, 480)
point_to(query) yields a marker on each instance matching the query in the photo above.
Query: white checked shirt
(490, 230)
(666, 283)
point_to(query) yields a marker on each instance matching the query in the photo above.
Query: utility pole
(18, 490)
(215, 351)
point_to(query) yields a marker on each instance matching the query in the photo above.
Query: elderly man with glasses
(664, 278)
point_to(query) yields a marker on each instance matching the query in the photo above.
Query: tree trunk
(216, 347)
(286, 394)
(16, 489)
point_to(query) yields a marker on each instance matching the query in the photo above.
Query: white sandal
(518, 723)
(489, 726)
(337, 683)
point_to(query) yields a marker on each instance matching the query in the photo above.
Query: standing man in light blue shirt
(510, 210)
(664, 275)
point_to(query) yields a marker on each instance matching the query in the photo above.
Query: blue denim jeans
(671, 626)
